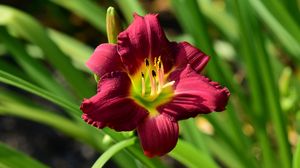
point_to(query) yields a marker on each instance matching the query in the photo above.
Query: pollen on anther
(153, 73)
(147, 62)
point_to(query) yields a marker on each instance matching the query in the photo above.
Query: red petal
(111, 106)
(144, 38)
(105, 59)
(188, 54)
(158, 135)
(194, 94)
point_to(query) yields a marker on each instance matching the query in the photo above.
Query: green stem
(113, 150)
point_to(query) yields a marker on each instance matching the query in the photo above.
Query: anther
(153, 73)
(147, 62)
(143, 76)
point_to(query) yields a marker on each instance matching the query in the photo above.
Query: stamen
(153, 83)
(161, 77)
(156, 65)
(143, 85)
(160, 71)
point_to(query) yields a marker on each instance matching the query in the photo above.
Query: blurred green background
(255, 51)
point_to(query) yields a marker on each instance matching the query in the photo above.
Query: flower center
(150, 88)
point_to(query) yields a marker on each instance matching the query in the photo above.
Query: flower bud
(113, 26)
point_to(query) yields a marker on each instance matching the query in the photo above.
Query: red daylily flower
(149, 84)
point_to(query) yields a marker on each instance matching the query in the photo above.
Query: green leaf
(10, 158)
(262, 81)
(191, 133)
(279, 29)
(221, 18)
(88, 10)
(76, 50)
(129, 7)
(223, 152)
(20, 83)
(12, 69)
(282, 14)
(25, 26)
(35, 69)
(29, 112)
(113, 150)
(190, 157)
